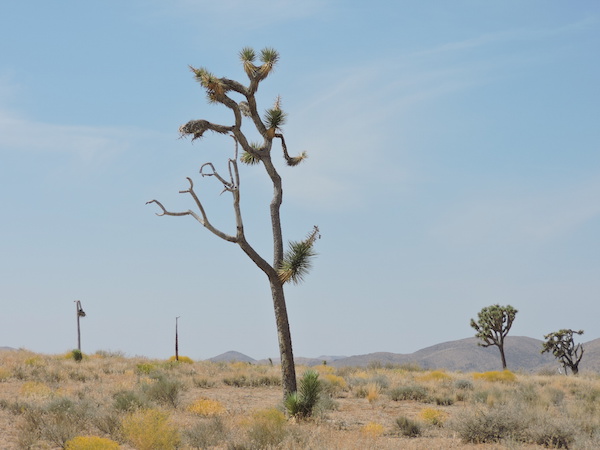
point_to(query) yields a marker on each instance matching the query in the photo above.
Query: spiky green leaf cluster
(295, 160)
(302, 403)
(249, 158)
(268, 57)
(274, 118)
(215, 89)
(297, 261)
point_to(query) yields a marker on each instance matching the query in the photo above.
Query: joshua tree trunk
(502, 356)
(288, 369)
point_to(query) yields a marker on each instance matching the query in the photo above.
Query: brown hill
(463, 355)
(522, 353)
(232, 356)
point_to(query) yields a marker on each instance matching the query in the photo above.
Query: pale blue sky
(454, 163)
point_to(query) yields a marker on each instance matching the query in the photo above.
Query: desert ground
(107, 400)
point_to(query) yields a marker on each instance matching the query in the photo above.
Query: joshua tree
(493, 325)
(561, 344)
(286, 266)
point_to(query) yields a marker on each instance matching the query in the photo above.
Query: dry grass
(47, 401)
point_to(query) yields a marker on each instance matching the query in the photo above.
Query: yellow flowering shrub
(182, 359)
(373, 429)
(434, 375)
(150, 429)
(91, 443)
(206, 407)
(433, 416)
(506, 376)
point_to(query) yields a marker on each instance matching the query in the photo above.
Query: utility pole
(80, 313)
(176, 340)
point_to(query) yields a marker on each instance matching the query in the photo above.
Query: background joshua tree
(285, 267)
(562, 346)
(493, 325)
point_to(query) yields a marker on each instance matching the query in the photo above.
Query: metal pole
(80, 313)
(176, 340)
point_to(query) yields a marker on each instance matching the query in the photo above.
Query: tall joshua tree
(493, 325)
(290, 266)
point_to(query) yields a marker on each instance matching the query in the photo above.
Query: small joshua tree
(493, 325)
(290, 266)
(562, 346)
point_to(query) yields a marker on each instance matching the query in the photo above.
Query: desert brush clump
(150, 429)
(129, 400)
(206, 407)
(266, 428)
(333, 385)
(145, 368)
(373, 429)
(504, 376)
(408, 427)
(434, 375)
(91, 443)
(410, 392)
(164, 390)
(491, 424)
(433, 416)
(206, 433)
(182, 359)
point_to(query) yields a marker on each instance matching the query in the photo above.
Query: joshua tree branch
(198, 127)
(203, 220)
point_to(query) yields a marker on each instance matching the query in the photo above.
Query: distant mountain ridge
(463, 355)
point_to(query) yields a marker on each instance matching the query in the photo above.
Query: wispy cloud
(524, 218)
(245, 14)
(86, 143)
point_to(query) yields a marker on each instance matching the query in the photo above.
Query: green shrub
(145, 368)
(128, 401)
(490, 424)
(267, 429)
(57, 422)
(418, 393)
(408, 427)
(203, 383)
(244, 381)
(552, 433)
(466, 385)
(205, 434)
(77, 355)
(302, 403)
(443, 401)
(164, 390)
